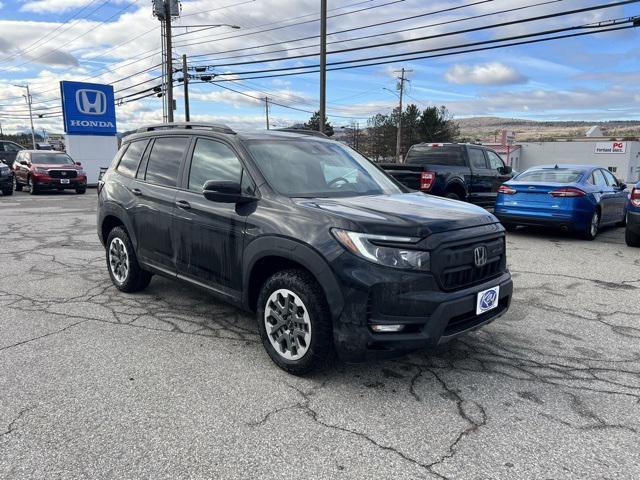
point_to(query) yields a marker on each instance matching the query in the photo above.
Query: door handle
(183, 204)
(136, 191)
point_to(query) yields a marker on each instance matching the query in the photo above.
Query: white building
(620, 157)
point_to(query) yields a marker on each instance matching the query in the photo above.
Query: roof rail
(302, 131)
(188, 126)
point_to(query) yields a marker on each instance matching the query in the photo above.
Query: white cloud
(494, 73)
(38, 6)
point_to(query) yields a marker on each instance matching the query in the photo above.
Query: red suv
(48, 170)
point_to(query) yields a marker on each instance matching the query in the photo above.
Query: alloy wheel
(288, 326)
(119, 260)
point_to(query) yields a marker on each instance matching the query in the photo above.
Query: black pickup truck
(454, 170)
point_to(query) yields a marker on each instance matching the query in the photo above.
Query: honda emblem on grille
(480, 256)
(64, 174)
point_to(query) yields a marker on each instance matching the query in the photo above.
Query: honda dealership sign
(611, 147)
(88, 108)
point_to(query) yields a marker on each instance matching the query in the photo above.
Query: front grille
(454, 264)
(63, 173)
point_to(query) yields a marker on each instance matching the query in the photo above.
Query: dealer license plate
(487, 300)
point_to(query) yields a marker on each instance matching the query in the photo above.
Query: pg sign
(611, 147)
(88, 108)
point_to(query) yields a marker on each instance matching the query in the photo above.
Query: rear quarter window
(428, 155)
(131, 158)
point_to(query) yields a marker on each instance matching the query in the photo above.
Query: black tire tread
(632, 239)
(138, 278)
(321, 351)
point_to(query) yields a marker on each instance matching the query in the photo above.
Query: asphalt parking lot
(169, 384)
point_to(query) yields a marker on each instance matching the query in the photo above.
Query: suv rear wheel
(294, 322)
(124, 270)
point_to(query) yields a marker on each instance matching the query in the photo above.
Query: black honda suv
(329, 252)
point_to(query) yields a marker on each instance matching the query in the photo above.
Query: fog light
(387, 328)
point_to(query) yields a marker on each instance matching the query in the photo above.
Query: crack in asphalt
(12, 425)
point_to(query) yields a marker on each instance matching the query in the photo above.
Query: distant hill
(487, 129)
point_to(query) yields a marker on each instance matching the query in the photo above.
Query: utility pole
(266, 110)
(323, 63)
(169, 59)
(27, 97)
(401, 88)
(185, 79)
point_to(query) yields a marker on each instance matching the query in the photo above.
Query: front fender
(111, 209)
(300, 253)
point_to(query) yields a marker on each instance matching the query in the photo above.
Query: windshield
(51, 159)
(312, 168)
(553, 175)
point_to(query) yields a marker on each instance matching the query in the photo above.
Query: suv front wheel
(294, 322)
(124, 270)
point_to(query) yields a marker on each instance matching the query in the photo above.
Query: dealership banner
(611, 147)
(88, 108)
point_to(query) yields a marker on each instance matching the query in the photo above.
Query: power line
(448, 22)
(93, 29)
(439, 35)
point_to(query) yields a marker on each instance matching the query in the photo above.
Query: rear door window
(450, 155)
(164, 160)
(477, 159)
(131, 159)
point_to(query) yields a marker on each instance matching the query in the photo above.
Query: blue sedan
(580, 198)
(632, 235)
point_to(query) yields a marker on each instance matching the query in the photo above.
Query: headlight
(42, 171)
(378, 249)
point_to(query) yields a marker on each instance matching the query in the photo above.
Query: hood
(54, 166)
(408, 214)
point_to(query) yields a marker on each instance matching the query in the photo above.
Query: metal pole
(164, 70)
(33, 134)
(266, 110)
(185, 79)
(1, 134)
(167, 19)
(323, 63)
(399, 139)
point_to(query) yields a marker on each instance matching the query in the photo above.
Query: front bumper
(45, 182)
(384, 296)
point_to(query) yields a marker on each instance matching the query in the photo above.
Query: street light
(27, 97)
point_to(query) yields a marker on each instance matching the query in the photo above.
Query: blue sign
(88, 108)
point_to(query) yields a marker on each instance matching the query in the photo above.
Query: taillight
(567, 192)
(427, 179)
(507, 190)
(635, 197)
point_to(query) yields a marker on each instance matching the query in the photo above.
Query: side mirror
(506, 170)
(622, 186)
(225, 192)
(79, 164)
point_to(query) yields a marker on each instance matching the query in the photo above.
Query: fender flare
(110, 209)
(300, 253)
(456, 183)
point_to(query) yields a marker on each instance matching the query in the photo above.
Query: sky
(593, 77)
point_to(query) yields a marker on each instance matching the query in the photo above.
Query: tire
(17, 186)
(631, 238)
(281, 293)
(33, 190)
(591, 231)
(452, 196)
(125, 272)
(81, 191)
